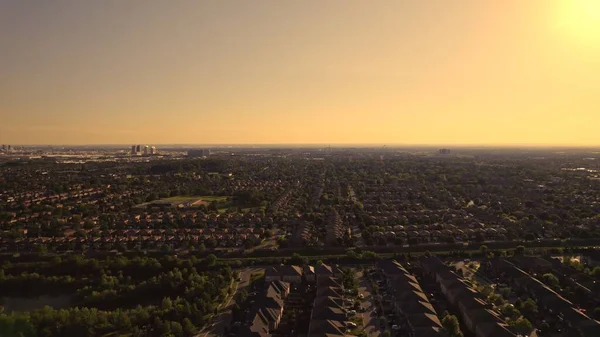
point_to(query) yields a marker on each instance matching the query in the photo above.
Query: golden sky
(310, 71)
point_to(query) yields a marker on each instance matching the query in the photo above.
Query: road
(223, 319)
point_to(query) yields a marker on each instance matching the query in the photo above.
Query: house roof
(323, 269)
(427, 331)
(416, 307)
(391, 267)
(494, 329)
(325, 327)
(432, 263)
(424, 320)
(309, 270)
(328, 282)
(481, 316)
(327, 301)
(329, 291)
(278, 288)
(532, 262)
(329, 313)
(290, 271)
(268, 315)
(471, 302)
(259, 325)
(409, 295)
(271, 271)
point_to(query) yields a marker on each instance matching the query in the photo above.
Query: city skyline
(431, 72)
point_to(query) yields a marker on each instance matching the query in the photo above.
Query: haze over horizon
(308, 72)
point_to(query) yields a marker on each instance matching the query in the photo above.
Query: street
(223, 319)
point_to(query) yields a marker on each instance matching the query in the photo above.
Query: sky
(465, 72)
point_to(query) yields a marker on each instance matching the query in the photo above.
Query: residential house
(309, 274)
(292, 274)
(326, 328)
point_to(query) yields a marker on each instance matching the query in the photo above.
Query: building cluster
(6, 148)
(482, 319)
(198, 153)
(139, 150)
(147, 231)
(328, 316)
(408, 303)
(568, 315)
(474, 310)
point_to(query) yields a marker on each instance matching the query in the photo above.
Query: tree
(496, 299)
(188, 327)
(386, 334)
(528, 307)
(176, 329)
(487, 290)
(508, 310)
(16, 326)
(211, 259)
(522, 324)
(551, 280)
(483, 249)
(504, 292)
(42, 249)
(167, 304)
(351, 254)
(451, 325)
(520, 250)
(369, 255)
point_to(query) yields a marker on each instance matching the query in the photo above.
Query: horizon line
(318, 144)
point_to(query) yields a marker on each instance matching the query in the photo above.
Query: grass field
(207, 198)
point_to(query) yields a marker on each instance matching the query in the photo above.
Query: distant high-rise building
(3, 147)
(146, 150)
(138, 148)
(9, 148)
(444, 151)
(196, 153)
(153, 150)
(132, 149)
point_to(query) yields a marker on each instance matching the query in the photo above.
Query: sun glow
(581, 18)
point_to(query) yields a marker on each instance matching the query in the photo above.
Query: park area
(189, 201)
(196, 200)
(217, 202)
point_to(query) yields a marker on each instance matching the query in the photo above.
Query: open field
(188, 200)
